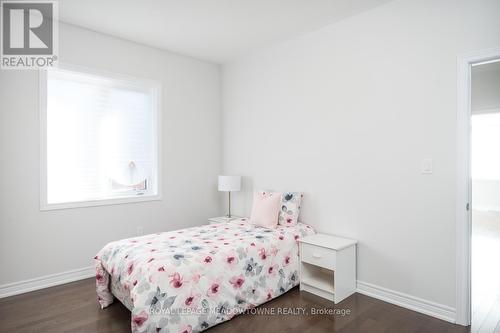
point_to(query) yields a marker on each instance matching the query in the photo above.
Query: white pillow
(290, 208)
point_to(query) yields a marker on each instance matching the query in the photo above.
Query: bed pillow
(290, 208)
(265, 209)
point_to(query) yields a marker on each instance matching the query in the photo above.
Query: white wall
(486, 194)
(485, 99)
(35, 243)
(485, 88)
(346, 114)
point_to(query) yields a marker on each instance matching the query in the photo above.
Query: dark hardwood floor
(73, 308)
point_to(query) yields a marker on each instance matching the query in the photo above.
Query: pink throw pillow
(265, 209)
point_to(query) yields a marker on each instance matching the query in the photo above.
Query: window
(99, 139)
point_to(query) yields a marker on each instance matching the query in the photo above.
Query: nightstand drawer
(317, 255)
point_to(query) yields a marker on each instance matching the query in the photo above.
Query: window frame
(155, 86)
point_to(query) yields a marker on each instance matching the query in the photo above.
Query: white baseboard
(433, 309)
(46, 281)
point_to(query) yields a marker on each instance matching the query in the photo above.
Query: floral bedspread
(191, 279)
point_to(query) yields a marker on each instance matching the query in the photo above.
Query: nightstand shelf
(328, 266)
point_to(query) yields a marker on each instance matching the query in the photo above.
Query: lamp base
(229, 219)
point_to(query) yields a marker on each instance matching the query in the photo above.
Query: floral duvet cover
(191, 279)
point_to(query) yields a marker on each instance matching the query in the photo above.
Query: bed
(191, 279)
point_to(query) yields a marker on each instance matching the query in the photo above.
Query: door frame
(463, 218)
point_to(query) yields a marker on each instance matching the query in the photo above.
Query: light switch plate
(427, 166)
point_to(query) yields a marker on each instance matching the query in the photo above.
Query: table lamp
(229, 184)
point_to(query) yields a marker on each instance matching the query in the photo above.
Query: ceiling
(213, 30)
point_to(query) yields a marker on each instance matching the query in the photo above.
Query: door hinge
(467, 206)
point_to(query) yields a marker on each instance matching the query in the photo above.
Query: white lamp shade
(229, 183)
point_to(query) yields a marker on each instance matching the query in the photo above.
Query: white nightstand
(222, 219)
(328, 266)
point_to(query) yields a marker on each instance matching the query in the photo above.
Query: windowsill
(96, 203)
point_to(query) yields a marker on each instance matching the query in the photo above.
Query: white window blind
(101, 138)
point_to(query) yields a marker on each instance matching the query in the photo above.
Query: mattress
(191, 279)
